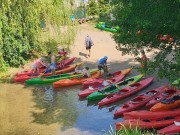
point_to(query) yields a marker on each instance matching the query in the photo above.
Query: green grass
(128, 131)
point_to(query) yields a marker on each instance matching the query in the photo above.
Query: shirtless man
(53, 63)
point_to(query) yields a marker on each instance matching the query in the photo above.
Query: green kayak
(113, 88)
(176, 82)
(54, 78)
(105, 27)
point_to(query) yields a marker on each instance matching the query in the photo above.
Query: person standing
(103, 64)
(143, 61)
(53, 63)
(88, 43)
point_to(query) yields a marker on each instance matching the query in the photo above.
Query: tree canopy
(22, 25)
(153, 26)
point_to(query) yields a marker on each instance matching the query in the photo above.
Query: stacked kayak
(126, 91)
(167, 104)
(42, 69)
(113, 88)
(65, 69)
(105, 27)
(54, 78)
(149, 119)
(172, 129)
(75, 81)
(98, 84)
(144, 114)
(168, 93)
(139, 101)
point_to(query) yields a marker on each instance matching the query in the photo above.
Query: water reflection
(57, 106)
(48, 94)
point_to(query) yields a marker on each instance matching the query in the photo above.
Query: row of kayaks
(168, 122)
(160, 115)
(114, 89)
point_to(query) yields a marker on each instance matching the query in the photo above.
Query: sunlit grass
(127, 131)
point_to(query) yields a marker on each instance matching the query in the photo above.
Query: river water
(41, 105)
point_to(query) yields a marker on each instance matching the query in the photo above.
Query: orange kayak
(161, 106)
(75, 81)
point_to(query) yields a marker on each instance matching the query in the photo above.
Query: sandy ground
(17, 104)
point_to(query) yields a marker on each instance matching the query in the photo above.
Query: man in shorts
(88, 43)
(103, 64)
(53, 63)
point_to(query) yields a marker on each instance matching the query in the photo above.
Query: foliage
(25, 25)
(100, 8)
(142, 23)
(92, 8)
(127, 131)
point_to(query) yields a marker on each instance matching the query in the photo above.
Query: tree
(92, 8)
(20, 30)
(154, 26)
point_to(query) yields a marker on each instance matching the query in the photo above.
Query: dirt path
(104, 45)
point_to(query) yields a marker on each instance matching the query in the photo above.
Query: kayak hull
(172, 129)
(169, 92)
(113, 88)
(75, 81)
(144, 114)
(116, 77)
(138, 101)
(98, 85)
(42, 69)
(126, 91)
(161, 106)
(51, 79)
(144, 124)
(107, 28)
(65, 69)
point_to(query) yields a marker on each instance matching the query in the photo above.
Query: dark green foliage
(142, 23)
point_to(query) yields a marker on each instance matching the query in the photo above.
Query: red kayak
(65, 69)
(138, 101)
(146, 124)
(172, 129)
(126, 91)
(151, 115)
(42, 69)
(99, 84)
(116, 77)
(169, 92)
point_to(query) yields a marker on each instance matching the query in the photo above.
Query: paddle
(41, 74)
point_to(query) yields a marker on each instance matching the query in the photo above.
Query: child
(84, 71)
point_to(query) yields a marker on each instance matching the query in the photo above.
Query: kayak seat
(157, 98)
(168, 92)
(167, 101)
(126, 82)
(150, 93)
(146, 120)
(177, 97)
(136, 100)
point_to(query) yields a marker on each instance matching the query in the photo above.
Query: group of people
(42, 62)
(102, 65)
